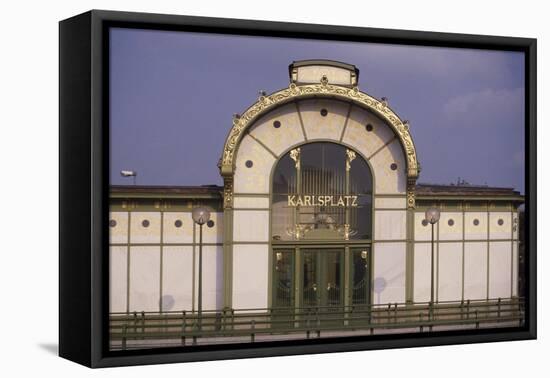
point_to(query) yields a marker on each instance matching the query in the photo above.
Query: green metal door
(360, 284)
(323, 283)
(283, 278)
(282, 310)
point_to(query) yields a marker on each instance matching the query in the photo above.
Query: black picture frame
(84, 191)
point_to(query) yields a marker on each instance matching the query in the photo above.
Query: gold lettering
(291, 201)
(311, 200)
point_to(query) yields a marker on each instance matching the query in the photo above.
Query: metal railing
(185, 327)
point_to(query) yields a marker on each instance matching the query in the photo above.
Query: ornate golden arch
(298, 92)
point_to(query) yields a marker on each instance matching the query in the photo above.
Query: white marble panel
(177, 278)
(450, 226)
(144, 278)
(422, 272)
(250, 225)
(314, 74)
(250, 276)
(118, 233)
(389, 273)
(174, 234)
(500, 269)
(450, 272)
(254, 179)
(390, 224)
(475, 270)
(145, 227)
(323, 127)
(498, 230)
(421, 231)
(118, 269)
(390, 203)
(212, 277)
(388, 181)
(212, 234)
(473, 231)
(279, 139)
(251, 202)
(356, 133)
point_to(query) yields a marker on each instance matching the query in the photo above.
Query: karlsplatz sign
(335, 201)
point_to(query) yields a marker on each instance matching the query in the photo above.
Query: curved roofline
(323, 62)
(266, 103)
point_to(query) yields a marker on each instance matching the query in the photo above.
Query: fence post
(477, 321)
(498, 310)
(318, 323)
(218, 321)
(183, 328)
(252, 336)
(431, 316)
(369, 313)
(143, 325)
(124, 337)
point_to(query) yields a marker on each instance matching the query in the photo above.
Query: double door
(318, 277)
(322, 279)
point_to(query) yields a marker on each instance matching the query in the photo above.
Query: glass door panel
(360, 283)
(282, 312)
(283, 278)
(310, 279)
(331, 278)
(322, 277)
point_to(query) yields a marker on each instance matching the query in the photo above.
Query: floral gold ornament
(295, 155)
(298, 92)
(350, 157)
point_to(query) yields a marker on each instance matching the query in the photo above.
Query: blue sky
(173, 95)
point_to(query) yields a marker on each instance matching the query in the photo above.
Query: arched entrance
(258, 228)
(321, 227)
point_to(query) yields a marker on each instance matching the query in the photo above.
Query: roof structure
(465, 190)
(216, 192)
(147, 191)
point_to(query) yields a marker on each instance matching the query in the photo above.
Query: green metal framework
(146, 329)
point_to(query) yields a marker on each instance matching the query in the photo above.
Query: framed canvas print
(234, 188)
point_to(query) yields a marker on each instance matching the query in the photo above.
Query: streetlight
(200, 215)
(125, 173)
(432, 216)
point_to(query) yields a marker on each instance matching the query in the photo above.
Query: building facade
(320, 208)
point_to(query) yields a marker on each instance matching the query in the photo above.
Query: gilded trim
(324, 89)
(228, 192)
